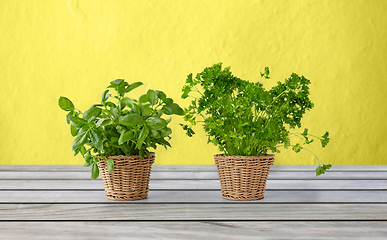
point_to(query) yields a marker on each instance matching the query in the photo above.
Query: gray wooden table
(185, 202)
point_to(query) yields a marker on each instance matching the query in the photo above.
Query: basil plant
(120, 125)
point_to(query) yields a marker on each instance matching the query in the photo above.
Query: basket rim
(152, 154)
(246, 157)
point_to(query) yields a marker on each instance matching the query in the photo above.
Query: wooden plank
(193, 212)
(195, 196)
(194, 230)
(196, 184)
(199, 175)
(192, 168)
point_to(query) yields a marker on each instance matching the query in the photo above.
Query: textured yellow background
(75, 48)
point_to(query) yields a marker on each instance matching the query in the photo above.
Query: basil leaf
(143, 98)
(168, 101)
(79, 140)
(94, 171)
(131, 119)
(126, 149)
(83, 151)
(155, 134)
(103, 122)
(65, 104)
(74, 130)
(105, 96)
(165, 132)
(111, 105)
(172, 108)
(78, 122)
(128, 101)
(88, 159)
(96, 139)
(115, 83)
(143, 134)
(152, 97)
(146, 110)
(92, 112)
(110, 165)
(161, 95)
(68, 118)
(125, 136)
(133, 86)
(121, 88)
(155, 123)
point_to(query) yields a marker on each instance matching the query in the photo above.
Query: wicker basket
(243, 178)
(130, 178)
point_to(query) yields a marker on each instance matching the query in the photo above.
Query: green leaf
(155, 123)
(88, 159)
(105, 96)
(168, 101)
(79, 140)
(121, 129)
(155, 134)
(143, 135)
(92, 112)
(152, 97)
(94, 171)
(96, 139)
(297, 148)
(266, 73)
(74, 130)
(68, 117)
(78, 122)
(111, 105)
(126, 149)
(146, 110)
(186, 91)
(125, 136)
(121, 88)
(164, 142)
(65, 104)
(133, 86)
(286, 144)
(188, 130)
(131, 119)
(103, 122)
(128, 101)
(325, 139)
(83, 151)
(110, 165)
(189, 79)
(136, 108)
(143, 98)
(322, 169)
(161, 95)
(165, 132)
(172, 108)
(115, 83)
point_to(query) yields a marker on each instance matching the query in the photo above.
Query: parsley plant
(241, 118)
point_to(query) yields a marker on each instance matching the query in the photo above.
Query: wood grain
(198, 175)
(197, 196)
(192, 212)
(185, 202)
(194, 230)
(196, 184)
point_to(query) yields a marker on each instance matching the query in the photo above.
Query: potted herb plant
(115, 138)
(249, 124)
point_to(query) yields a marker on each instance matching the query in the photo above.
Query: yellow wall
(75, 48)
